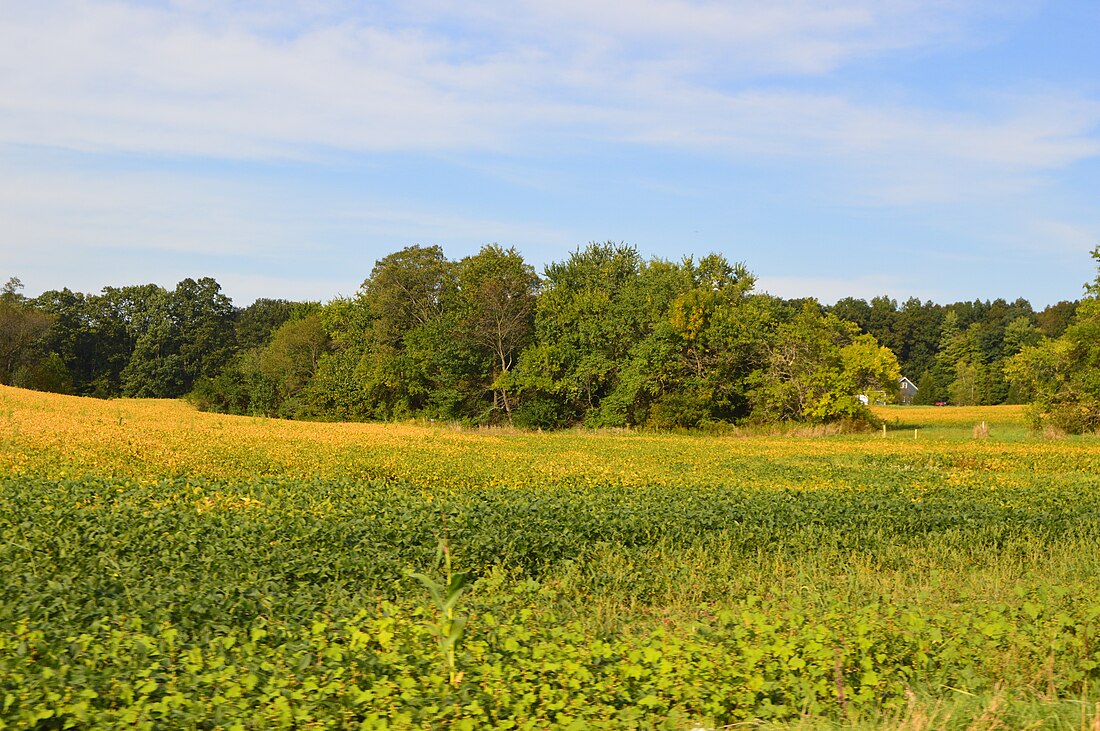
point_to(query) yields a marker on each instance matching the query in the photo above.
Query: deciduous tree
(22, 330)
(497, 291)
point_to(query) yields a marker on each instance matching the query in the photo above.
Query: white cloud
(898, 154)
(292, 79)
(1062, 237)
(200, 214)
(734, 38)
(105, 76)
(414, 225)
(139, 212)
(86, 229)
(318, 80)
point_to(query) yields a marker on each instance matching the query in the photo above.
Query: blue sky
(943, 150)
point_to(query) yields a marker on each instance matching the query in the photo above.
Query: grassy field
(173, 569)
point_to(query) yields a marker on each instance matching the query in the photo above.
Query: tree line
(604, 339)
(957, 353)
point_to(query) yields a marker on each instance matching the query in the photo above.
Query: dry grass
(1052, 432)
(996, 711)
(953, 416)
(65, 436)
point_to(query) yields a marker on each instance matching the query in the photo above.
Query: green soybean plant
(445, 594)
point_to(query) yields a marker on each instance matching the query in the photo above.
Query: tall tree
(589, 316)
(181, 336)
(71, 336)
(1054, 319)
(117, 317)
(853, 310)
(817, 367)
(10, 293)
(256, 324)
(406, 351)
(21, 331)
(1064, 374)
(406, 290)
(497, 291)
(882, 322)
(705, 339)
(918, 330)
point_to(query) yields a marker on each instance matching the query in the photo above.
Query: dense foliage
(157, 578)
(603, 338)
(273, 603)
(957, 353)
(1063, 373)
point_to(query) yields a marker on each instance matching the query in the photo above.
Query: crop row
(192, 551)
(287, 603)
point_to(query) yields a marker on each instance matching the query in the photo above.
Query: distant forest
(604, 339)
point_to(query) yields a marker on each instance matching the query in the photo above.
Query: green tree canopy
(22, 331)
(179, 336)
(497, 292)
(817, 367)
(590, 314)
(1064, 373)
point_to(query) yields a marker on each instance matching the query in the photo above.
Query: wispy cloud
(296, 79)
(1059, 237)
(141, 211)
(533, 95)
(429, 227)
(105, 227)
(736, 39)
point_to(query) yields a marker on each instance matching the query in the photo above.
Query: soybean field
(165, 568)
